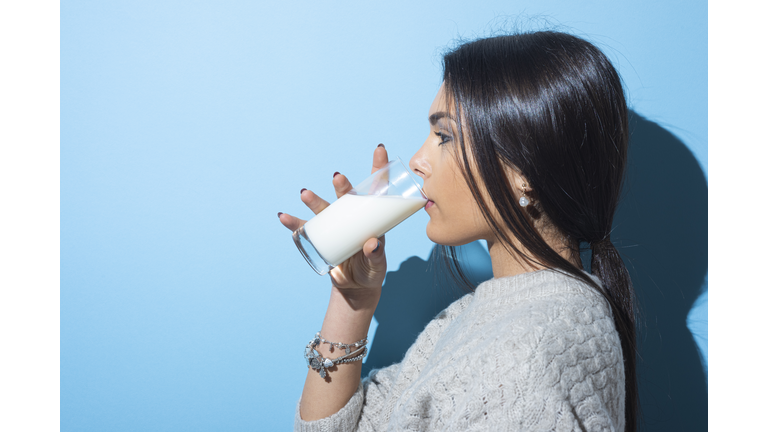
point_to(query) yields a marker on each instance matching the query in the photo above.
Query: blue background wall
(185, 127)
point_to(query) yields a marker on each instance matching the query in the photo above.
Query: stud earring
(523, 200)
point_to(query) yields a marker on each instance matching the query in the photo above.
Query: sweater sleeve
(365, 411)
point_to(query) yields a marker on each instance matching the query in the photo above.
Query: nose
(419, 164)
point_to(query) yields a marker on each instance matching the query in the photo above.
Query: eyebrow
(437, 116)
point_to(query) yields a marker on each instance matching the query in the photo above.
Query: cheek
(458, 220)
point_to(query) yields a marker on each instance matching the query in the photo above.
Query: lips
(429, 204)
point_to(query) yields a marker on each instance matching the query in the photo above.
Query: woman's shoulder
(544, 314)
(542, 348)
(556, 341)
(512, 320)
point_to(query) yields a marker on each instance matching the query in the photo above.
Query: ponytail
(608, 266)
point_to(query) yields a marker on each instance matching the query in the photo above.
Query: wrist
(349, 314)
(357, 300)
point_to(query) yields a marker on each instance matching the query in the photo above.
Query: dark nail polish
(380, 145)
(302, 191)
(377, 246)
(335, 174)
(279, 214)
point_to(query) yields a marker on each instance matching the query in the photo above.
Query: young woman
(527, 151)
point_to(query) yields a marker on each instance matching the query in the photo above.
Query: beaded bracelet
(320, 363)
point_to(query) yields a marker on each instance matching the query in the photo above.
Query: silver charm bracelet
(339, 345)
(320, 364)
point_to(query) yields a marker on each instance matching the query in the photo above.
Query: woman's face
(455, 217)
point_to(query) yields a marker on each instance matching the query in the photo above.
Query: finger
(341, 184)
(374, 251)
(380, 158)
(291, 222)
(314, 202)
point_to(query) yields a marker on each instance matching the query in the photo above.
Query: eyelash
(443, 138)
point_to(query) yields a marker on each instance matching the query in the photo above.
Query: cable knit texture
(532, 352)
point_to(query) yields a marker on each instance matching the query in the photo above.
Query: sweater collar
(526, 285)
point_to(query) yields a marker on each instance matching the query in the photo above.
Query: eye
(444, 138)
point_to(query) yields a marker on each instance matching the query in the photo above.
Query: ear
(518, 182)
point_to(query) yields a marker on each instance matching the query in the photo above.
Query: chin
(446, 236)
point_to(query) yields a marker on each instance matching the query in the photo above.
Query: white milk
(339, 231)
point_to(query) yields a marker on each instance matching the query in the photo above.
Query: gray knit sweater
(532, 352)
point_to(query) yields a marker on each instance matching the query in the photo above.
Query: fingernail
(279, 214)
(335, 174)
(380, 145)
(302, 191)
(377, 246)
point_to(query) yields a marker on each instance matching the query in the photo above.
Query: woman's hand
(365, 269)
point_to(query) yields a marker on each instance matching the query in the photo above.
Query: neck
(507, 263)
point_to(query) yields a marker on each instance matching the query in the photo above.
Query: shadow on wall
(660, 229)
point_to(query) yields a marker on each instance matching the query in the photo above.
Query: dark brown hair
(551, 106)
